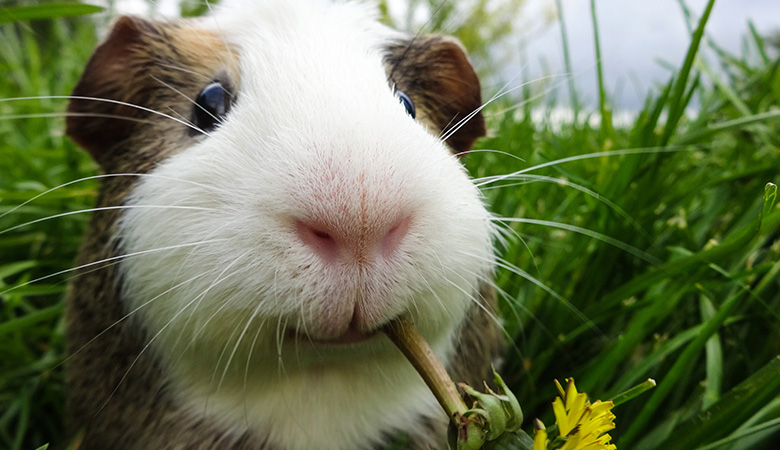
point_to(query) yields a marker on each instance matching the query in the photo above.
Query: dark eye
(211, 106)
(407, 102)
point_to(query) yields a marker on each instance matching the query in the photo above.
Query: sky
(635, 35)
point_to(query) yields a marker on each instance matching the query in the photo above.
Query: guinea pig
(282, 180)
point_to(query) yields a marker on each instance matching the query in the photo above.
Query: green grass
(683, 287)
(38, 59)
(696, 305)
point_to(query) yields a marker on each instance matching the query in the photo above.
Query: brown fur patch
(435, 72)
(155, 66)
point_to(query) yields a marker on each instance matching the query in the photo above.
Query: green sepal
(467, 432)
(490, 406)
(511, 405)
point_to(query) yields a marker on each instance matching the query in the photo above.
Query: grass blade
(48, 11)
(677, 106)
(729, 412)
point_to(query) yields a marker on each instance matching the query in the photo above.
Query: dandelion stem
(411, 343)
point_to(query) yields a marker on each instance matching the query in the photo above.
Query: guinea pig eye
(211, 106)
(407, 102)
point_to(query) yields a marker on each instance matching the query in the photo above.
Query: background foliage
(635, 252)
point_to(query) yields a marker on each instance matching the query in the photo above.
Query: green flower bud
(492, 405)
(512, 406)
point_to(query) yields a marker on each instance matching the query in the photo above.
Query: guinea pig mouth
(351, 336)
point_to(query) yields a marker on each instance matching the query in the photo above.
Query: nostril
(319, 240)
(321, 234)
(392, 240)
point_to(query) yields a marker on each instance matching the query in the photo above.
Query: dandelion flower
(582, 425)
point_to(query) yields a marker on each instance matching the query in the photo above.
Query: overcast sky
(634, 34)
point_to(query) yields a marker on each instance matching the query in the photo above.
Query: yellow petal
(601, 443)
(560, 388)
(598, 407)
(605, 439)
(540, 440)
(571, 392)
(560, 417)
(572, 443)
(596, 432)
(576, 405)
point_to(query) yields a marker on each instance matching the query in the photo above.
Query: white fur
(316, 133)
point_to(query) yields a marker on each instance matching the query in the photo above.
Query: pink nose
(332, 242)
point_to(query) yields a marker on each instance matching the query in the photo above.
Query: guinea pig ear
(436, 74)
(111, 74)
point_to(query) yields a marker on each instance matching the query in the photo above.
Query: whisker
(199, 298)
(113, 258)
(504, 90)
(138, 308)
(305, 329)
(143, 350)
(501, 93)
(216, 368)
(238, 341)
(107, 175)
(105, 100)
(221, 35)
(72, 114)
(246, 368)
(507, 229)
(186, 261)
(533, 98)
(413, 41)
(447, 133)
(494, 316)
(567, 77)
(563, 182)
(297, 344)
(279, 335)
(187, 97)
(594, 234)
(498, 152)
(203, 294)
(629, 151)
(444, 270)
(279, 341)
(435, 295)
(185, 70)
(103, 208)
(179, 115)
(470, 295)
(516, 307)
(522, 273)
